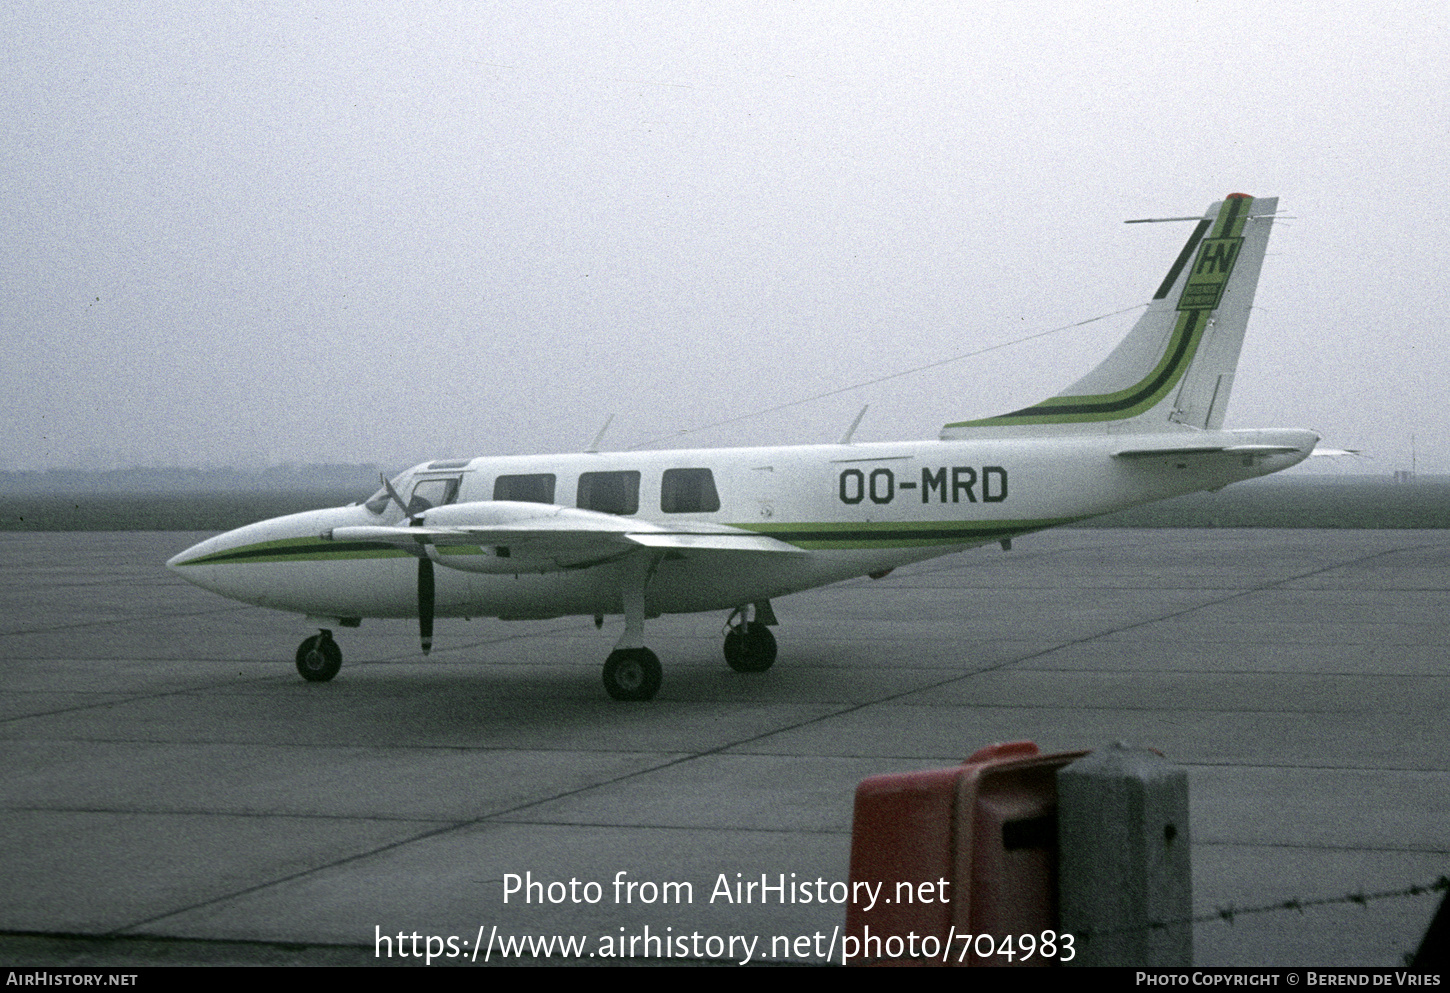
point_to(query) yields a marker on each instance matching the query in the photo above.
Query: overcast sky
(324, 232)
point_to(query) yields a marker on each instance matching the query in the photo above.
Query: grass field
(1270, 503)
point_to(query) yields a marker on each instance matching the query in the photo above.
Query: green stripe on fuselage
(299, 550)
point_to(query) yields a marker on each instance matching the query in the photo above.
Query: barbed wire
(1359, 897)
(1228, 913)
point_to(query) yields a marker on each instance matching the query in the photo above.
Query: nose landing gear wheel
(750, 647)
(319, 658)
(632, 674)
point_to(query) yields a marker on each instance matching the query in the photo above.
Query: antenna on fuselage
(846, 438)
(593, 448)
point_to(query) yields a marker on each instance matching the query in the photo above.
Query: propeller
(425, 573)
(425, 602)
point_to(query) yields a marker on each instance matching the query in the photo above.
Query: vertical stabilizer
(1176, 366)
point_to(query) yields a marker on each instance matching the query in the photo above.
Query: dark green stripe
(1232, 207)
(1183, 257)
(1185, 346)
(297, 552)
(901, 534)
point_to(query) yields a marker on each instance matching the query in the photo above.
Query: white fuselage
(854, 510)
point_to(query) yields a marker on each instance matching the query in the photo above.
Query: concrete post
(1123, 864)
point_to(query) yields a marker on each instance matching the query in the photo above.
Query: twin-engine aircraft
(648, 533)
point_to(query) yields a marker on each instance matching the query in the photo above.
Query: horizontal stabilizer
(1148, 453)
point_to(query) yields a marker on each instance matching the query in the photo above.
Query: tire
(633, 674)
(751, 649)
(318, 658)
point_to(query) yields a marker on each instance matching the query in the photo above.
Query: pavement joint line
(121, 620)
(1263, 587)
(491, 818)
(1428, 770)
(719, 828)
(158, 582)
(174, 812)
(1156, 708)
(463, 825)
(1400, 769)
(1275, 673)
(178, 940)
(207, 687)
(463, 749)
(95, 704)
(1126, 627)
(1390, 849)
(496, 817)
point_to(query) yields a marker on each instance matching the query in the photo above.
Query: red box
(957, 852)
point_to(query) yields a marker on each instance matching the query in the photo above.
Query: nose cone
(215, 548)
(284, 563)
(226, 563)
(265, 540)
(197, 565)
(180, 559)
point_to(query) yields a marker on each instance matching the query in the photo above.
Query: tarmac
(172, 792)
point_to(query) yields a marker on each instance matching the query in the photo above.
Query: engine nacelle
(509, 537)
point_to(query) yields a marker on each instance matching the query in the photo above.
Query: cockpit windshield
(420, 493)
(379, 501)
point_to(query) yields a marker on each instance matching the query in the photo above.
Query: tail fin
(1176, 367)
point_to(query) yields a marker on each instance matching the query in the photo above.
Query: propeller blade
(425, 603)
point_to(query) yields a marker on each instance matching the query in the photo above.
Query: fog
(379, 233)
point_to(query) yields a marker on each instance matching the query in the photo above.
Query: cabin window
(433, 493)
(535, 488)
(609, 492)
(688, 491)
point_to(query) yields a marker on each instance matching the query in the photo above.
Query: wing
(535, 537)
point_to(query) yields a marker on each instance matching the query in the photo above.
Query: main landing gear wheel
(632, 674)
(319, 658)
(750, 647)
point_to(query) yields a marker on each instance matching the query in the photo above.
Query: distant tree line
(319, 476)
